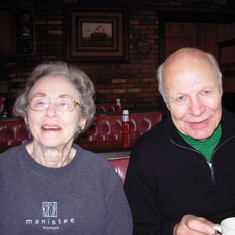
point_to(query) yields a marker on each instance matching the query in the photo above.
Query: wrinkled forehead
(54, 86)
(189, 66)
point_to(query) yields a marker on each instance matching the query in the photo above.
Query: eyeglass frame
(54, 102)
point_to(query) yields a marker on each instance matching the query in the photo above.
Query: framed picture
(97, 34)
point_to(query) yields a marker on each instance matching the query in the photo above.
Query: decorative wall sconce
(144, 47)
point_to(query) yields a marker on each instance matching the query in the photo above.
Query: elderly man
(181, 176)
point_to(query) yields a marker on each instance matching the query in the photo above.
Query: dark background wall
(204, 23)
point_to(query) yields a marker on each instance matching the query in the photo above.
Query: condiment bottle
(125, 129)
(118, 105)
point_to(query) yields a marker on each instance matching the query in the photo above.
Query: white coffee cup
(227, 226)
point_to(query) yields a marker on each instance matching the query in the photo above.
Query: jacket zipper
(212, 171)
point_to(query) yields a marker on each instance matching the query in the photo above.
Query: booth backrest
(109, 128)
(13, 132)
(107, 108)
(104, 128)
(120, 166)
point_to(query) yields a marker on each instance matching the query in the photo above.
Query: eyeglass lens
(42, 103)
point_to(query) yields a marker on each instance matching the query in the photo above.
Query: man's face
(193, 97)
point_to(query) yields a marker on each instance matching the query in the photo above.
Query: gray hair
(79, 79)
(212, 60)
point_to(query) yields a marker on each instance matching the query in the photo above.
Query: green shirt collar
(205, 147)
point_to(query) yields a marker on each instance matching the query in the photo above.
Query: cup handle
(218, 228)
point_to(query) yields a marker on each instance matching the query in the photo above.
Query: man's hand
(192, 225)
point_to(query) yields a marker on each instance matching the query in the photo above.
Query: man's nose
(197, 107)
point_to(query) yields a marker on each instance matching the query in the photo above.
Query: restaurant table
(107, 148)
(103, 148)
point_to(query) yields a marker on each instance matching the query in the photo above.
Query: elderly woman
(50, 185)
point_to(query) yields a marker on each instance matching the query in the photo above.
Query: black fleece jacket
(167, 179)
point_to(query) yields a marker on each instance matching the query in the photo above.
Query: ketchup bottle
(125, 129)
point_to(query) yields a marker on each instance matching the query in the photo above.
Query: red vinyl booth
(120, 166)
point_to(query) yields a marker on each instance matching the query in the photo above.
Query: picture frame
(97, 34)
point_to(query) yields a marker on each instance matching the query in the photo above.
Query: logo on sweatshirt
(50, 219)
(49, 209)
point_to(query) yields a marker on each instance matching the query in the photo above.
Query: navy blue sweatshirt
(84, 197)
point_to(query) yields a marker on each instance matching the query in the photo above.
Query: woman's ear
(82, 123)
(26, 120)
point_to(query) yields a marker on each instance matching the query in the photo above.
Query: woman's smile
(51, 127)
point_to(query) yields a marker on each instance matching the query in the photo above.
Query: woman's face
(51, 127)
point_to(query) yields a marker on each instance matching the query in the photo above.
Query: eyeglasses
(64, 104)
